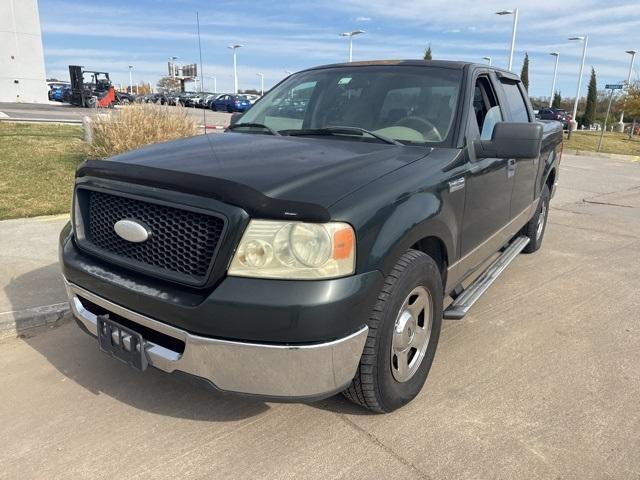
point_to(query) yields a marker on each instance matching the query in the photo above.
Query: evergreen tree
(592, 100)
(524, 75)
(557, 100)
(427, 53)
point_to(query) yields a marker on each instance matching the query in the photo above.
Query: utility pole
(555, 74)
(584, 39)
(235, 67)
(513, 12)
(633, 56)
(261, 75)
(351, 35)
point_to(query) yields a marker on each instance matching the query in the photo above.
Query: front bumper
(301, 371)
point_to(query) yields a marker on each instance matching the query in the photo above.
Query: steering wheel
(422, 125)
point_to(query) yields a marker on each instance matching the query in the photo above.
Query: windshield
(412, 105)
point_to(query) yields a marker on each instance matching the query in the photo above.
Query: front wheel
(538, 224)
(404, 329)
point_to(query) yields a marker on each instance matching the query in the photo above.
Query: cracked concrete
(540, 380)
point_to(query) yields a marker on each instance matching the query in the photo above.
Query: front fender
(419, 216)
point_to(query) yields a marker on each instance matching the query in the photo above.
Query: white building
(22, 76)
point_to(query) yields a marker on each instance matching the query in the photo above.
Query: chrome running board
(470, 295)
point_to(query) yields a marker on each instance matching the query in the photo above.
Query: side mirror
(234, 118)
(511, 140)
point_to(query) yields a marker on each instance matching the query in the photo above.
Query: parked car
(158, 98)
(295, 257)
(253, 98)
(230, 103)
(123, 98)
(209, 98)
(60, 93)
(556, 114)
(57, 90)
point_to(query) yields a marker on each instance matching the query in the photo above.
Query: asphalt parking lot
(68, 113)
(540, 380)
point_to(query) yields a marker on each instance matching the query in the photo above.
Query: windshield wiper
(339, 130)
(253, 125)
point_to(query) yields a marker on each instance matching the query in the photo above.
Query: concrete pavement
(31, 288)
(540, 380)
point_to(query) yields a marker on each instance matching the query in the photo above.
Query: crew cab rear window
(515, 102)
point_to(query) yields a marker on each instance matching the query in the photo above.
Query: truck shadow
(76, 356)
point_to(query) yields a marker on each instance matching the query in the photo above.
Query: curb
(15, 323)
(64, 121)
(615, 156)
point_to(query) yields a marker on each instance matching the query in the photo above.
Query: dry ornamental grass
(134, 126)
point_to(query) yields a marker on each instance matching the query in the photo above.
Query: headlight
(295, 250)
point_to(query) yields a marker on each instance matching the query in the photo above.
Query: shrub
(134, 126)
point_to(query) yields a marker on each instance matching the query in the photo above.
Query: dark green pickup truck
(310, 249)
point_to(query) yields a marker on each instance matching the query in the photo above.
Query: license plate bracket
(122, 343)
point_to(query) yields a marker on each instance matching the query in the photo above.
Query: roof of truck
(453, 64)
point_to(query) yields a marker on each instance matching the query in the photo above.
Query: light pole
(584, 39)
(633, 56)
(555, 74)
(488, 59)
(261, 75)
(351, 35)
(235, 67)
(215, 84)
(130, 80)
(513, 12)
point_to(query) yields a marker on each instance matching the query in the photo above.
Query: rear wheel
(538, 224)
(404, 328)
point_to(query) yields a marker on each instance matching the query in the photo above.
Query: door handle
(455, 185)
(511, 167)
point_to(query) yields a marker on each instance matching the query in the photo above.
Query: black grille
(182, 243)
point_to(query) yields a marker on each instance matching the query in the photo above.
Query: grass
(611, 143)
(37, 166)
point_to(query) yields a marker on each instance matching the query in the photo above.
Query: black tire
(213, 107)
(374, 385)
(229, 109)
(534, 230)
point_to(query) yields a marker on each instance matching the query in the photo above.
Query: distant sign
(190, 70)
(614, 86)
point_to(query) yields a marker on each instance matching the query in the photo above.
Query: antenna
(204, 111)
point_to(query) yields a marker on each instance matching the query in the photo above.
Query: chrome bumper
(290, 371)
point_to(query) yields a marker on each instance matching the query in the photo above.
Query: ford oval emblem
(132, 230)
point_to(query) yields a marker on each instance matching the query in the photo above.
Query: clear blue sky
(283, 35)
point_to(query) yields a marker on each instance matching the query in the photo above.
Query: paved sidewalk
(31, 288)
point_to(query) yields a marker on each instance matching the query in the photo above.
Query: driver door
(488, 181)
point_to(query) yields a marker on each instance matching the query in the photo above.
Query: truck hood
(316, 171)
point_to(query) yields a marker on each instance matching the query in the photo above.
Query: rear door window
(515, 101)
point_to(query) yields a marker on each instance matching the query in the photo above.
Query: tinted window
(515, 102)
